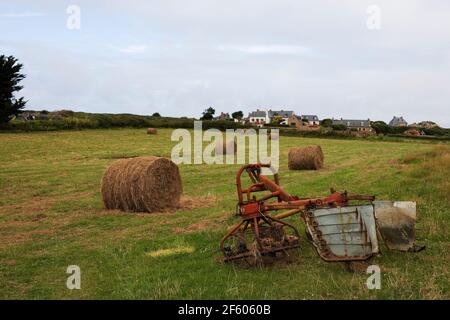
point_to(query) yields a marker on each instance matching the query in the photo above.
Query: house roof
(310, 117)
(353, 123)
(223, 116)
(282, 113)
(397, 121)
(258, 114)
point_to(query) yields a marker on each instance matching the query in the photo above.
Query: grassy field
(52, 216)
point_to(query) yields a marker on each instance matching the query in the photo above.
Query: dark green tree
(326, 123)
(381, 127)
(156, 114)
(208, 114)
(339, 127)
(10, 77)
(237, 115)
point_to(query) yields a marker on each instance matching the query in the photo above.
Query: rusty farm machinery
(342, 227)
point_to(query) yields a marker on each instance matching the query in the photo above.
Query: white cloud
(265, 49)
(134, 49)
(21, 15)
(175, 59)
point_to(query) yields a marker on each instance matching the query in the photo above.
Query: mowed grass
(52, 216)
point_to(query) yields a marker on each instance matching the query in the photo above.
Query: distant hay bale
(152, 131)
(276, 136)
(142, 184)
(226, 147)
(308, 158)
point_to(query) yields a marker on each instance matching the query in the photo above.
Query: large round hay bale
(152, 131)
(308, 158)
(226, 147)
(273, 136)
(142, 184)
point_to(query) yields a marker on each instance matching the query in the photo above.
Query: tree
(381, 127)
(208, 114)
(238, 115)
(10, 78)
(326, 123)
(276, 120)
(339, 127)
(156, 114)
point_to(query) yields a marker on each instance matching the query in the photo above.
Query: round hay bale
(152, 131)
(142, 184)
(274, 136)
(226, 147)
(308, 158)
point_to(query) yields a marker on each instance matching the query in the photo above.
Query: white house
(313, 120)
(258, 118)
(282, 113)
(261, 117)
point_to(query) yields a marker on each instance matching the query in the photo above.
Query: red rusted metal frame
(335, 199)
(251, 211)
(285, 200)
(253, 170)
(254, 211)
(254, 221)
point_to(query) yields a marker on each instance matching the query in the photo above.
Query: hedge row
(103, 121)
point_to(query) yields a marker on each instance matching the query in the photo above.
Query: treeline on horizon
(70, 120)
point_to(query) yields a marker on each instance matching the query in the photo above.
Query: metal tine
(366, 244)
(338, 224)
(352, 231)
(335, 214)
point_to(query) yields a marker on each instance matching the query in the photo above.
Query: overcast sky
(179, 57)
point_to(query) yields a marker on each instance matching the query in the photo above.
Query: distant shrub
(339, 127)
(436, 131)
(381, 127)
(326, 123)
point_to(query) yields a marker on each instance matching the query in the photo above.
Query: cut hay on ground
(226, 147)
(188, 203)
(143, 184)
(308, 158)
(152, 131)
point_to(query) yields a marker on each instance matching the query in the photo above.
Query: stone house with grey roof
(281, 113)
(258, 118)
(223, 116)
(312, 120)
(302, 124)
(354, 125)
(398, 122)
